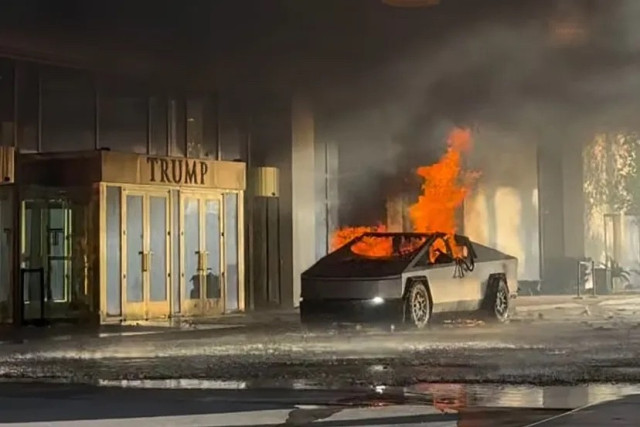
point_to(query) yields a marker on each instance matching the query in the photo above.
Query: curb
(581, 303)
(543, 307)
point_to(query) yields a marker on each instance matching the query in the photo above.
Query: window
(195, 127)
(7, 116)
(386, 247)
(158, 111)
(177, 127)
(439, 252)
(123, 112)
(28, 88)
(233, 136)
(201, 127)
(68, 110)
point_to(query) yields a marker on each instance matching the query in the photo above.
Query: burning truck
(409, 277)
(381, 276)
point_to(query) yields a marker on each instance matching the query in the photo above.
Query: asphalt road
(81, 405)
(547, 350)
(456, 373)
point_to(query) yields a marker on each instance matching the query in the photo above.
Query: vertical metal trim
(123, 253)
(218, 109)
(224, 284)
(240, 249)
(184, 307)
(267, 266)
(541, 266)
(326, 197)
(39, 127)
(96, 118)
(248, 196)
(279, 253)
(15, 105)
(102, 255)
(148, 124)
(168, 111)
(17, 292)
(185, 133)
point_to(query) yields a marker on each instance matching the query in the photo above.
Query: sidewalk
(67, 331)
(621, 412)
(557, 302)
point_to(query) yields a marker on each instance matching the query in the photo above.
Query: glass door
(202, 260)
(6, 252)
(145, 255)
(46, 257)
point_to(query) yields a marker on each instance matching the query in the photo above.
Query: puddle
(204, 384)
(444, 396)
(190, 384)
(525, 396)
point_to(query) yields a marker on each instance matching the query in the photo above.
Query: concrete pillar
(284, 137)
(573, 200)
(302, 192)
(326, 188)
(551, 207)
(395, 213)
(562, 214)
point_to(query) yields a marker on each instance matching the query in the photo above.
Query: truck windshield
(387, 246)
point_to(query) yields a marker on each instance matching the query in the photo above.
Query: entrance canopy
(85, 168)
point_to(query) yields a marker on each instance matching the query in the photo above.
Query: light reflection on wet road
(536, 353)
(283, 373)
(188, 402)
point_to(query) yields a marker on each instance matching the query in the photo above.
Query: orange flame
(383, 246)
(443, 192)
(346, 234)
(444, 189)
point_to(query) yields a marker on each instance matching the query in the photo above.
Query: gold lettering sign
(130, 168)
(177, 171)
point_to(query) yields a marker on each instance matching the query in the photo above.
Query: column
(326, 188)
(573, 200)
(551, 208)
(302, 192)
(395, 212)
(284, 136)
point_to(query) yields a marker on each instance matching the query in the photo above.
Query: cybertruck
(405, 278)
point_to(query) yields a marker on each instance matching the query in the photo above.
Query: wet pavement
(619, 412)
(490, 405)
(543, 351)
(260, 362)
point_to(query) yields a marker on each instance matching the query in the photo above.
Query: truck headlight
(377, 300)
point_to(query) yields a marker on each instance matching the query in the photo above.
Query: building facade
(117, 200)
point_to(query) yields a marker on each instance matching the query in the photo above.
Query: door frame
(203, 306)
(53, 308)
(145, 309)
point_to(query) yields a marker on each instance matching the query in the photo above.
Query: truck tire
(498, 300)
(418, 305)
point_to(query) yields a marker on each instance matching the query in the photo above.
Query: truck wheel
(498, 299)
(418, 305)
